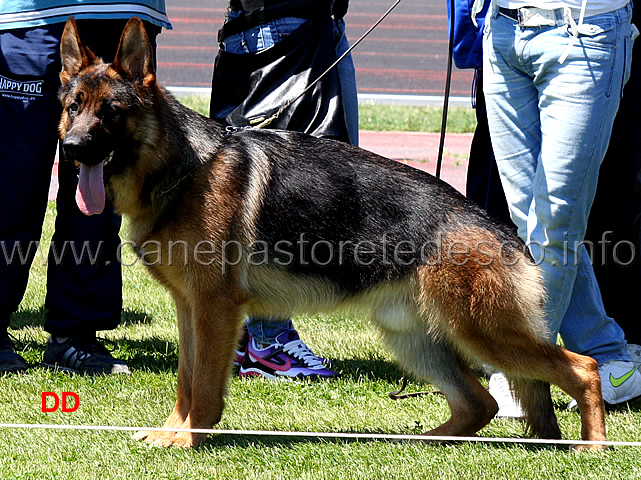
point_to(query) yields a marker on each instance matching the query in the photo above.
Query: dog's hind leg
(472, 407)
(531, 363)
(579, 377)
(575, 374)
(493, 312)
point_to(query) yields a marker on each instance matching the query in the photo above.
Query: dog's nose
(75, 146)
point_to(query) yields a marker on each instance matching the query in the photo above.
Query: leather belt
(530, 17)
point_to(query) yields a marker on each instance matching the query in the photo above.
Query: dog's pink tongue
(90, 194)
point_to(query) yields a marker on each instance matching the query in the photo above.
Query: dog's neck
(156, 180)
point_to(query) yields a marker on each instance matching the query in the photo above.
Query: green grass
(357, 402)
(390, 117)
(414, 119)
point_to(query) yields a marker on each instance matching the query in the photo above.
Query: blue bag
(468, 36)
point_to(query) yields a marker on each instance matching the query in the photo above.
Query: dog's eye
(73, 107)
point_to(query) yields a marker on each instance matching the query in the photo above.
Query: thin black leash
(269, 120)
(446, 96)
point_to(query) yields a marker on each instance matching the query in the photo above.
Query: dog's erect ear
(75, 56)
(135, 57)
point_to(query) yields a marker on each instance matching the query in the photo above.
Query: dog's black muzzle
(85, 149)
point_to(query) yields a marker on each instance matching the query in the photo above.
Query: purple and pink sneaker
(241, 349)
(287, 357)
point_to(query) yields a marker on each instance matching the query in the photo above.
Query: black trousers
(84, 285)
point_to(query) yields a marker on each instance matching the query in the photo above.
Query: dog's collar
(230, 129)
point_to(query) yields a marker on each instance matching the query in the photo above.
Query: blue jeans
(550, 124)
(264, 36)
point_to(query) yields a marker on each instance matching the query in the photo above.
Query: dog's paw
(589, 448)
(188, 440)
(171, 439)
(155, 438)
(181, 440)
(140, 436)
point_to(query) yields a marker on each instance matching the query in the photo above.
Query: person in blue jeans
(272, 347)
(553, 79)
(84, 292)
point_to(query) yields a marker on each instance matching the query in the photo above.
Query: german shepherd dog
(275, 223)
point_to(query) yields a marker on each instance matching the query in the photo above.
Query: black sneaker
(82, 355)
(10, 361)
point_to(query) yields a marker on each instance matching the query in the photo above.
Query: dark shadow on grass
(36, 318)
(217, 441)
(359, 368)
(28, 318)
(633, 405)
(153, 355)
(132, 317)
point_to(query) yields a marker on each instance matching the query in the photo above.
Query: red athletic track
(406, 54)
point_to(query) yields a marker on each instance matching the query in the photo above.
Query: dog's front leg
(216, 326)
(185, 371)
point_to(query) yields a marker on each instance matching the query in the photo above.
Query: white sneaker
(509, 407)
(635, 352)
(620, 381)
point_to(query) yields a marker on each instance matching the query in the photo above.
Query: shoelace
(86, 347)
(501, 389)
(300, 351)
